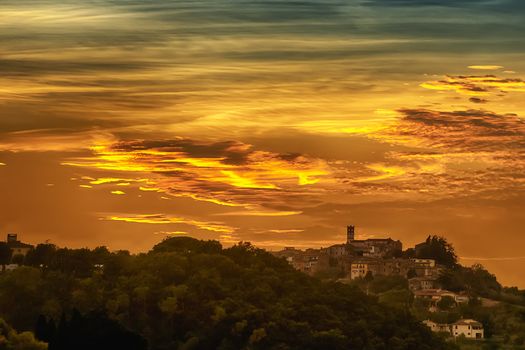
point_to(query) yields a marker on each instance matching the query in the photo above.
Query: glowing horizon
(276, 123)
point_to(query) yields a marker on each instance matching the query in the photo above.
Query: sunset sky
(276, 122)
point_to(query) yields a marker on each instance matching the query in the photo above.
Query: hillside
(189, 294)
(455, 301)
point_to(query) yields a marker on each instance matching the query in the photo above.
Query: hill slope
(189, 294)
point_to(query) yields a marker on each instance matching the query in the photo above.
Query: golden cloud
(485, 67)
(162, 219)
(476, 85)
(225, 173)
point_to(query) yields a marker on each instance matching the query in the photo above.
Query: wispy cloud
(504, 258)
(218, 172)
(486, 67)
(162, 219)
(476, 85)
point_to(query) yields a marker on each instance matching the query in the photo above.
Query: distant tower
(12, 237)
(350, 233)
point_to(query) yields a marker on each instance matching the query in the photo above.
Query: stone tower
(350, 233)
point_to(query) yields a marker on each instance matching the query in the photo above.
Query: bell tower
(350, 233)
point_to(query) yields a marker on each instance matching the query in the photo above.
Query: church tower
(350, 233)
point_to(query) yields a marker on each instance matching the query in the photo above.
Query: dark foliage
(92, 331)
(5, 253)
(475, 280)
(439, 249)
(190, 294)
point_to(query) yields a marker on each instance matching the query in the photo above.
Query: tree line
(191, 294)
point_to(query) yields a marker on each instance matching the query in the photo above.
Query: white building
(469, 328)
(437, 327)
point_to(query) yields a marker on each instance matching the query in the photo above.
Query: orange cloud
(161, 219)
(474, 85)
(119, 193)
(485, 67)
(224, 173)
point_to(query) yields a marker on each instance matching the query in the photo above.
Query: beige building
(360, 268)
(17, 247)
(469, 328)
(422, 283)
(429, 263)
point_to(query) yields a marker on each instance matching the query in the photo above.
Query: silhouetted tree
(439, 249)
(5, 253)
(93, 331)
(41, 255)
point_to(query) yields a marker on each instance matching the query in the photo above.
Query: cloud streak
(476, 85)
(162, 219)
(226, 173)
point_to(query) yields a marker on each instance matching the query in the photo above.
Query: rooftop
(433, 292)
(468, 322)
(18, 244)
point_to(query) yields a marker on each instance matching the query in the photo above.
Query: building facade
(469, 328)
(17, 247)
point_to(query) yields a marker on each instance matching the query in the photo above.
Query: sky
(276, 122)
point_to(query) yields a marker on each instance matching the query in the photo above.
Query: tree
(439, 249)
(18, 259)
(10, 339)
(411, 273)
(475, 280)
(189, 294)
(94, 331)
(21, 296)
(45, 329)
(187, 245)
(446, 303)
(42, 255)
(5, 253)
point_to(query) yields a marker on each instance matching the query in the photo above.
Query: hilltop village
(360, 258)
(364, 259)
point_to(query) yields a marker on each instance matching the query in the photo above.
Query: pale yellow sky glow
(274, 124)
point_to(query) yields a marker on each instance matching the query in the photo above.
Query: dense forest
(190, 294)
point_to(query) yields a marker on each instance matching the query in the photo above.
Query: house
(17, 247)
(434, 294)
(360, 268)
(376, 247)
(308, 261)
(395, 267)
(422, 283)
(469, 328)
(10, 267)
(437, 327)
(424, 267)
(462, 298)
(429, 263)
(337, 250)
(466, 327)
